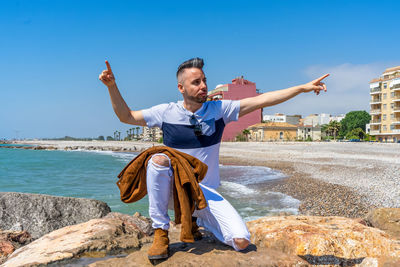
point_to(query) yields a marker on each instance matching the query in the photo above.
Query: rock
(206, 252)
(41, 214)
(323, 240)
(386, 219)
(142, 223)
(10, 241)
(97, 237)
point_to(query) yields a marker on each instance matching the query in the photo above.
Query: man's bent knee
(241, 243)
(161, 160)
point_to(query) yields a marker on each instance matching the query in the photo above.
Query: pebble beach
(329, 178)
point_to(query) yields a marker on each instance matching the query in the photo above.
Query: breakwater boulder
(41, 214)
(95, 238)
(326, 240)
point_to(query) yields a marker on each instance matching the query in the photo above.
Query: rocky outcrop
(324, 240)
(119, 233)
(10, 241)
(276, 241)
(97, 237)
(386, 219)
(42, 214)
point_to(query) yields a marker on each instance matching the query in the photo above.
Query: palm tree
(137, 132)
(246, 133)
(335, 126)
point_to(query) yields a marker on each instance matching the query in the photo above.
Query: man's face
(193, 85)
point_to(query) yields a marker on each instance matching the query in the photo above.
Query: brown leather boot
(159, 248)
(195, 230)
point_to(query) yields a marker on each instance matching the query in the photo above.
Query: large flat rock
(42, 214)
(324, 240)
(97, 237)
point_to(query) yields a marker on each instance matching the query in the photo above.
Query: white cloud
(348, 77)
(348, 90)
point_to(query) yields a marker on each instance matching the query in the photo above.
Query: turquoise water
(93, 174)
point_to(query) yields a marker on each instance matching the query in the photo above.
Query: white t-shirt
(178, 131)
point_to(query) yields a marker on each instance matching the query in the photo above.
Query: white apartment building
(279, 117)
(151, 134)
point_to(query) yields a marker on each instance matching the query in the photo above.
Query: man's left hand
(316, 85)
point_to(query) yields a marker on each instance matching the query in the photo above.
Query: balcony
(376, 100)
(395, 130)
(374, 132)
(375, 111)
(375, 122)
(396, 109)
(376, 90)
(396, 121)
(395, 84)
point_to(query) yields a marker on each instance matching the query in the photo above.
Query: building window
(384, 117)
(391, 127)
(384, 106)
(384, 96)
(392, 94)
(384, 85)
(281, 135)
(392, 106)
(384, 127)
(392, 116)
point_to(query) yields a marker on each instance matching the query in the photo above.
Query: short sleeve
(230, 110)
(154, 115)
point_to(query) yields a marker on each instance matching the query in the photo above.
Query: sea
(93, 174)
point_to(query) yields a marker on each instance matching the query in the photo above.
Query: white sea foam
(235, 189)
(124, 156)
(250, 174)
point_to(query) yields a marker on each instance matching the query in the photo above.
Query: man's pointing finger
(108, 66)
(321, 78)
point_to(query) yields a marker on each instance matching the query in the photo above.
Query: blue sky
(53, 51)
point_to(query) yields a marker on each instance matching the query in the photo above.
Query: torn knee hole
(160, 160)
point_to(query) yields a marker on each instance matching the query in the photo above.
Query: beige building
(272, 131)
(151, 134)
(306, 132)
(385, 106)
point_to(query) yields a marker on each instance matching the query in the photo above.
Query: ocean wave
(124, 156)
(235, 189)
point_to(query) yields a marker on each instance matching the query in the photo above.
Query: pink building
(238, 89)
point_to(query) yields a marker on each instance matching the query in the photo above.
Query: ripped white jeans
(219, 217)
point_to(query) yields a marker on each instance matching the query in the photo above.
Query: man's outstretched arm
(118, 103)
(250, 104)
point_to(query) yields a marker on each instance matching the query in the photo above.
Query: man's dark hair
(191, 63)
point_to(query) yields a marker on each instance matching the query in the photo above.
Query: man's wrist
(113, 86)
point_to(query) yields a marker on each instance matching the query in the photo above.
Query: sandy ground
(330, 178)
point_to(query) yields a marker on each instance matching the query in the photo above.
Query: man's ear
(180, 88)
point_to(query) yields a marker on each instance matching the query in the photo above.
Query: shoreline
(318, 198)
(330, 179)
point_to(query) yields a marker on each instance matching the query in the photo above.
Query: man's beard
(197, 99)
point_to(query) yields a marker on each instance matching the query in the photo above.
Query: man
(195, 127)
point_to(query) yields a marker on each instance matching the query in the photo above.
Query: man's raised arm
(250, 104)
(118, 103)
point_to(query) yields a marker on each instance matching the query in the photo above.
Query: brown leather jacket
(188, 172)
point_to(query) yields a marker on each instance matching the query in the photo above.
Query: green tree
(354, 120)
(109, 138)
(334, 128)
(246, 133)
(101, 138)
(357, 133)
